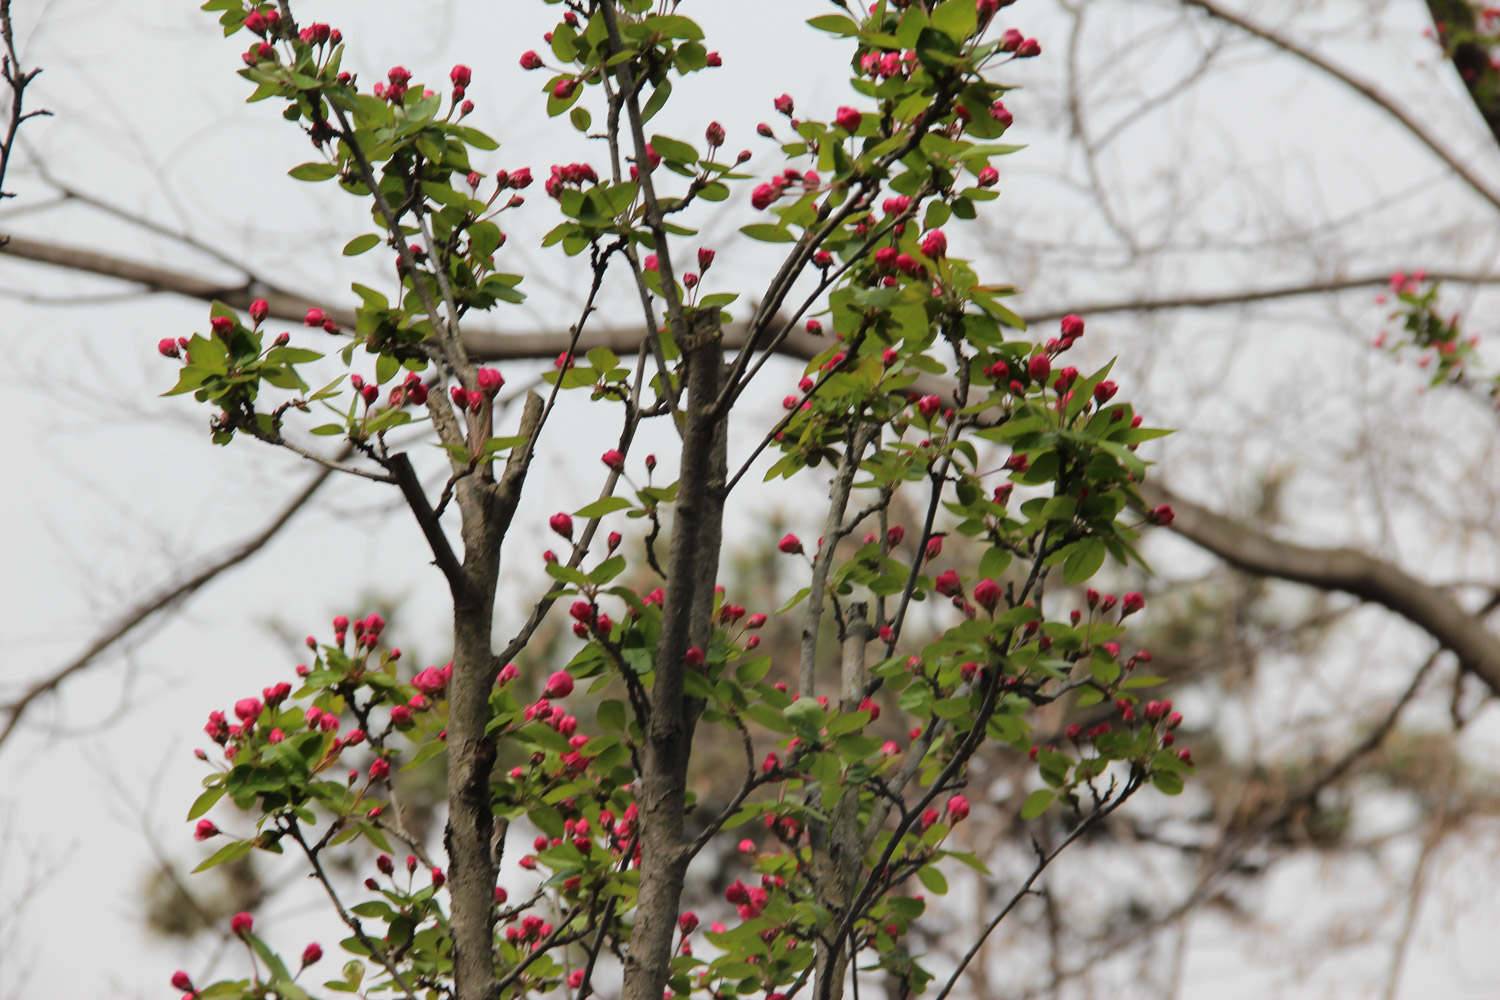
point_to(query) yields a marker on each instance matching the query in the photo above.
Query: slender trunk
(487, 508)
(471, 756)
(838, 849)
(697, 533)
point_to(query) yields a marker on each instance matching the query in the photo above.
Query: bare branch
(1425, 605)
(166, 597)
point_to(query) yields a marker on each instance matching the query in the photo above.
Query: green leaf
(956, 18)
(607, 570)
(674, 26)
(360, 244)
(994, 562)
(834, 24)
(313, 171)
(768, 232)
(1037, 803)
(229, 852)
(933, 880)
(601, 507)
(1167, 782)
(1083, 561)
(205, 802)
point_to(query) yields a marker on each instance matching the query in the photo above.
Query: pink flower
(205, 830)
(1104, 391)
(1039, 367)
(520, 178)
(1131, 603)
(958, 808)
(928, 405)
(948, 584)
(241, 923)
(561, 523)
(783, 104)
(935, 244)
(380, 768)
(430, 681)
(559, 685)
(1072, 326)
(489, 380)
(461, 75)
(763, 196)
(246, 709)
(848, 119)
(1001, 114)
(987, 594)
(790, 544)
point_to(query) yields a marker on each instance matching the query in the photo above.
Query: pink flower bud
(205, 829)
(958, 808)
(315, 317)
(559, 685)
(790, 544)
(948, 584)
(167, 348)
(783, 104)
(847, 119)
(987, 594)
(259, 310)
(489, 380)
(530, 60)
(989, 177)
(705, 258)
(241, 923)
(935, 244)
(461, 75)
(181, 981)
(561, 523)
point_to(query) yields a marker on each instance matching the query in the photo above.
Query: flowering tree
(923, 387)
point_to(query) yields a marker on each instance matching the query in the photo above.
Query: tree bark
(687, 620)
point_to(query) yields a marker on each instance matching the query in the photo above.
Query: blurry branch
(497, 345)
(18, 80)
(1365, 90)
(1043, 859)
(1469, 58)
(1425, 605)
(1225, 856)
(143, 612)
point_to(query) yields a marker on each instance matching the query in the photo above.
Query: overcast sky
(111, 490)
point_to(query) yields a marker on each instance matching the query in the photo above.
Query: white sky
(111, 490)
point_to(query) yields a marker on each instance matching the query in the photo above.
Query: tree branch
(1374, 580)
(164, 598)
(1360, 87)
